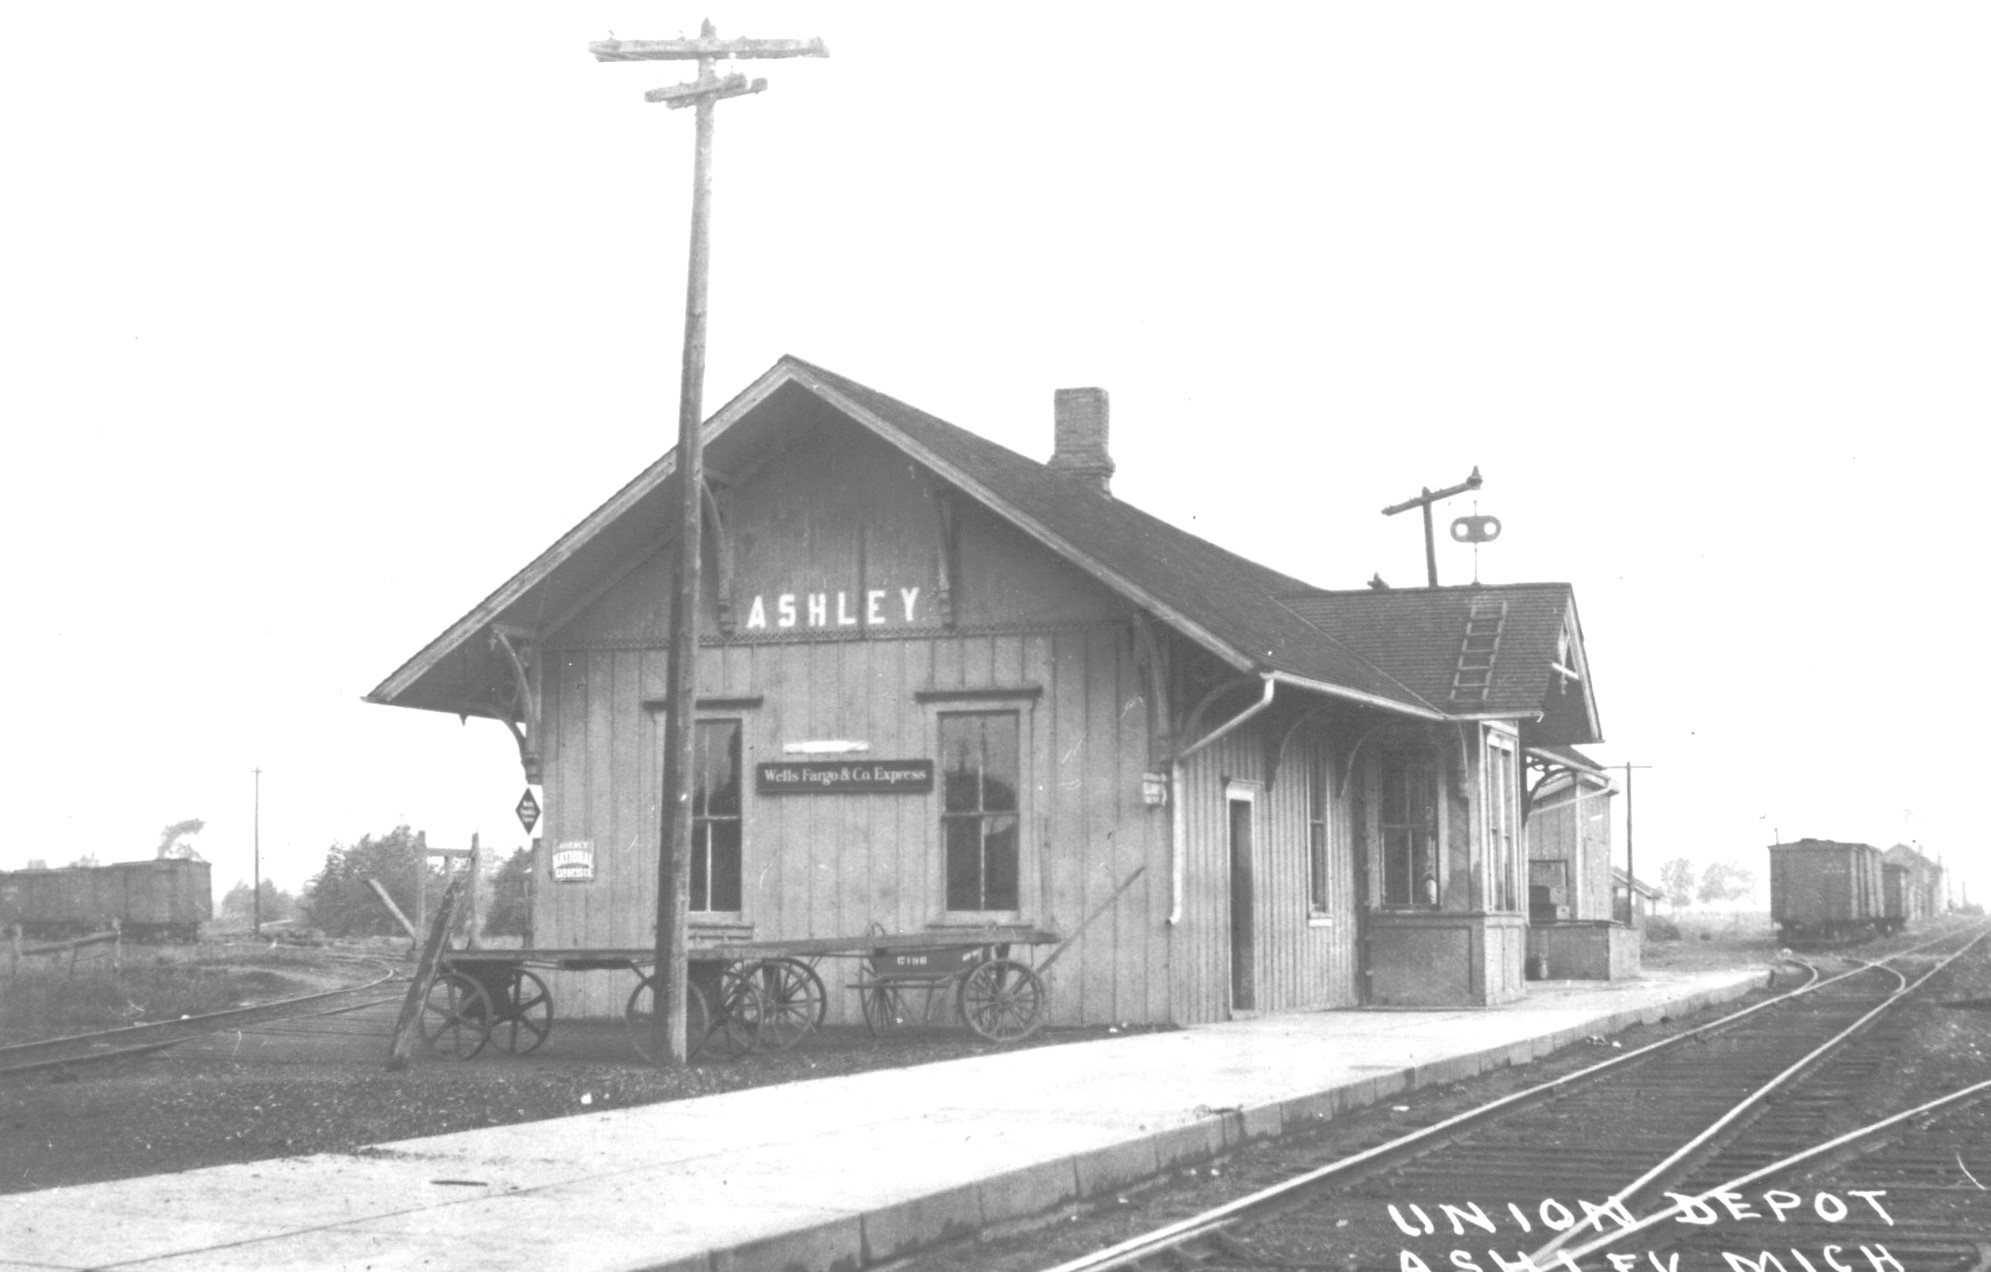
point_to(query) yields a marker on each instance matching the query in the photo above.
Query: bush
(338, 901)
(1658, 929)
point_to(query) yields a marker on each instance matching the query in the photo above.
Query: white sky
(320, 322)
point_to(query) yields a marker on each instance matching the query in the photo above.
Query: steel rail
(154, 1032)
(1959, 1098)
(1181, 1231)
(1669, 1168)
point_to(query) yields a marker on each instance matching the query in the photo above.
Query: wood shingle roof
(1397, 650)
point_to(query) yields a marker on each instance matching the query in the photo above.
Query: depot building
(944, 686)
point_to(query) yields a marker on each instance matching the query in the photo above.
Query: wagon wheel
(1002, 1000)
(884, 1008)
(456, 1016)
(527, 1017)
(736, 1026)
(792, 999)
(639, 1016)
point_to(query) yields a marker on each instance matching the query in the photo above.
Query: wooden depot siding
(830, 865)
(1576, 831)
(1298, 961)
(870, 569)
(843, 515)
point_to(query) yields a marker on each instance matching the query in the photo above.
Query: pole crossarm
(684, 50)
(1430, 496)
(678, 96)
(680, 746)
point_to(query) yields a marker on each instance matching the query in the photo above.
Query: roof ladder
(1473, 676)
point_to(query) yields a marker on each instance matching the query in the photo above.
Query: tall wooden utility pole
(1631, 876)
(257, 896)
(674, 846)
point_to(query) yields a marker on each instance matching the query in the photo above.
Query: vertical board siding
(831, 865)
(1297, 963)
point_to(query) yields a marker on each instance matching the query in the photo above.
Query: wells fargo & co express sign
(844, 777)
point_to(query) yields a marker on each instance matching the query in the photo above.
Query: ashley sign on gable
(875, 607)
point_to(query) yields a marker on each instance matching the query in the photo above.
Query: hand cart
(739, 995)
(996, 996)
(744, 994)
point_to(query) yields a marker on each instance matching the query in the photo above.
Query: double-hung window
(979, 822)
(1408, 821)
(1317, 838)
(715, 817)
(1503, 817)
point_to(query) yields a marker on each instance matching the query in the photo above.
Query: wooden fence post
(421, 881)
(476, 877)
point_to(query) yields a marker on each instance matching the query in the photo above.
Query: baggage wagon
(741, 995)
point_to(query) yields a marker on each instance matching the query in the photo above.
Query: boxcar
(150, 900)
(1823, 890)
(1895, 897)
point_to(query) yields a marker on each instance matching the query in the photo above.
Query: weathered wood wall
(1559, 829)
(837, 515)
(1299, 960)
(842, 514)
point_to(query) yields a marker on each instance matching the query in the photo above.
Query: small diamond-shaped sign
(528, 811)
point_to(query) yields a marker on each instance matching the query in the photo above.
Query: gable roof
(1227, 604)
(1476, 650)
(1646, 890)
(1227, 601)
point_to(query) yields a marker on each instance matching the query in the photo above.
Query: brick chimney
(1081, 442)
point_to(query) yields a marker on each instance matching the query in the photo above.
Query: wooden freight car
(150, 900)
(1823, 890)
(1898, 898)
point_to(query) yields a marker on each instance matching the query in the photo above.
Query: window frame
(1501, 814)
(982, 815)
(1320, 839)
(703, 822)
(1418, 762)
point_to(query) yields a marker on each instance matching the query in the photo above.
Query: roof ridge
(976, 439)
(1273, 582)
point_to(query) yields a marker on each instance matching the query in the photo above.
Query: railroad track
(131, 1040)
(1539, 1173)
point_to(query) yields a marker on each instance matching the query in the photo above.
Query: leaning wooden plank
(408, 1025)
(394, 910)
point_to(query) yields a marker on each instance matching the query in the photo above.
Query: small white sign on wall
(574, 861)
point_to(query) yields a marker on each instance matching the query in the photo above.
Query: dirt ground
(213, 1103)
(323, 1086)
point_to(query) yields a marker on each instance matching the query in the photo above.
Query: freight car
(1821, 890)
(1914, 885)
(164, 900)
(1898, 904)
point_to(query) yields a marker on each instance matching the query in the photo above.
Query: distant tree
(338, 901)
(87, 859)
(277, 904)
(1676, 881)
(36, 863)
(1724, 882)
(510, 910)
(173, 840)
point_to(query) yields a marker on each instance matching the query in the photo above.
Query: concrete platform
(834, 1173)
